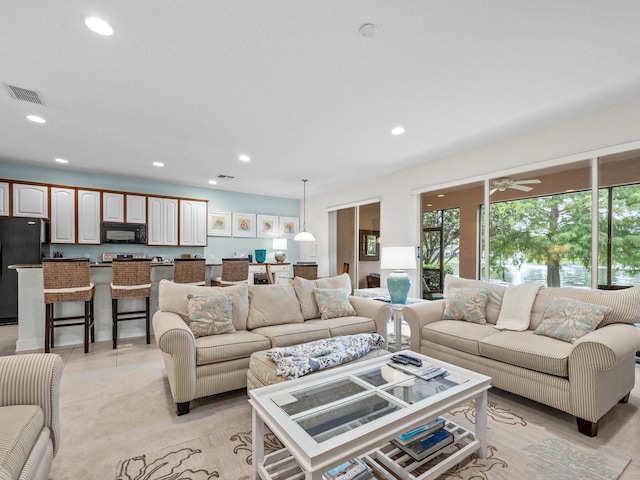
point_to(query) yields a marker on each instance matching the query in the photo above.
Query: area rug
(521, 446)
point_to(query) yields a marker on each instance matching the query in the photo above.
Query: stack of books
(354, 469)
(425, 440)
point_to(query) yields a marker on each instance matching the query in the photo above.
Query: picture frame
(219, 224)
(369, 245)
(244, 225)
(289, 226)
(267, 226)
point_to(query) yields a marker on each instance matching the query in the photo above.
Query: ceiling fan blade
(525, 182)
(522, 188)
(492, 191)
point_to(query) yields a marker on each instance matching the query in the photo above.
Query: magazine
(427, 371)
(428, 445)
(419, 432)
(354, 469)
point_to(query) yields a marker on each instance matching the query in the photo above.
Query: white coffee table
(354, 411)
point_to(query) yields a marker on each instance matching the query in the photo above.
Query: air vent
(225, 176)
(25, 95)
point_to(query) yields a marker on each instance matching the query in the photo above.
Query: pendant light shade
(304, 236)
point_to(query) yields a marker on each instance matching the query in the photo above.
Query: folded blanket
(298, 360)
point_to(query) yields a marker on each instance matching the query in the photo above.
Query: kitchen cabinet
(89, 217)
(4, 199)
(113, 207)
(63, 215)
(136, 209)
(163, 221)
(193, 223)
(30, 200)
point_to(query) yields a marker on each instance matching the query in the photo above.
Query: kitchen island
(31, 310)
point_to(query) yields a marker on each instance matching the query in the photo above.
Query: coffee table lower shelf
(387, 461)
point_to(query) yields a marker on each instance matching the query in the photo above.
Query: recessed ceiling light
(98, 25)
(61, 160)
(158, 164)
(368, 30)
(244, 158)
(397, 131)
(429, 204)
(212, 182)
(36, 119)
(440, 195)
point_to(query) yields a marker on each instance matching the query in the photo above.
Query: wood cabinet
(89, 217)
(4, 199)
(113, 207)
(30, 200)
(136, 209)
(162, 226)
(193, 223)
(63, 215)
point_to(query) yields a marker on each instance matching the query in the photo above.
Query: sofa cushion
(333, 303)
(346, 325)
(467, 304)
(210, 314)
(172, 297)
(220, 348)
(273, 305)
(624, 304)
(568, 320)
(496, 292)
(293, 334)
(20, 426)
(462, 336)
(524, 349)
(304, 291)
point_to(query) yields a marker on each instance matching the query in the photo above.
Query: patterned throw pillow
(567, 319)
(210, 314)
(466, 304)
(333, 303)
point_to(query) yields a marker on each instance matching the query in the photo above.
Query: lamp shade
(398, 258)
(279, 243)
(304, 236)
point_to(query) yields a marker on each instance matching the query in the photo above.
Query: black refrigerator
(22, 241)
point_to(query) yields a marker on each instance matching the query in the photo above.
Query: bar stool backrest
(62, 275)
(235, 269)
(134, 272)
(310, 272)
(189, 270)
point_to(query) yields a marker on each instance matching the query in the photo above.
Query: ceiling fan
(501, 184)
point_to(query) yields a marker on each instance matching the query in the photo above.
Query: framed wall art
(289, 227)
(244, 225)
(267, 226)
(219, 224)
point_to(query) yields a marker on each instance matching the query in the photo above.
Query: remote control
(413, 360)
(399, 359)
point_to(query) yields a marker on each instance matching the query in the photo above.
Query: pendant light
(304, 236)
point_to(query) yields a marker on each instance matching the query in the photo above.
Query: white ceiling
(293, 84)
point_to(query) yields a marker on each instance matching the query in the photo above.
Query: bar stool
(305, 270)
(234, 271)
(67, 280)
(131, 278)
(189, 270)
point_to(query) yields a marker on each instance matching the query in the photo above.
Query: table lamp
(398, 282)
(280, 244)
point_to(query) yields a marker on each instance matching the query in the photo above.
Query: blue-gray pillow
(210, 314)
(333, 303)
(567, 319)
(467, 304)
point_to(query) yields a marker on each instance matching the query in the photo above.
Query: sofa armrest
(379, 311)
(34, 379)
(602, 369)
(419, 314)
(177, 343)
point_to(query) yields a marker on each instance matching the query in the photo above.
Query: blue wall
(219, 201)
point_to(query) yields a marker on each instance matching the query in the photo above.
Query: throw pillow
(568, 320)
(466, 304)
(210, 314)
(333, 303)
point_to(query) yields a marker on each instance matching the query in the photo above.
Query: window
(440, 247)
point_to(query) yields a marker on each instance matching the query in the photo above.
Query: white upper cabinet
(63, 215)
(193, 223)
(163, 221)
(136, 209)
(4, 199)
(30, 200)
(89, 217)
(113, 207)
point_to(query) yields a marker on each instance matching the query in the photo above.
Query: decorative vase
(261, 255)
(280, 256)
(398, 284)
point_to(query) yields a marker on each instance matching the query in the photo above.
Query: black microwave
(124, 233)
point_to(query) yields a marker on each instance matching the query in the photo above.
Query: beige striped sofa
(585, 379)
(29, 415)
(264, 316)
